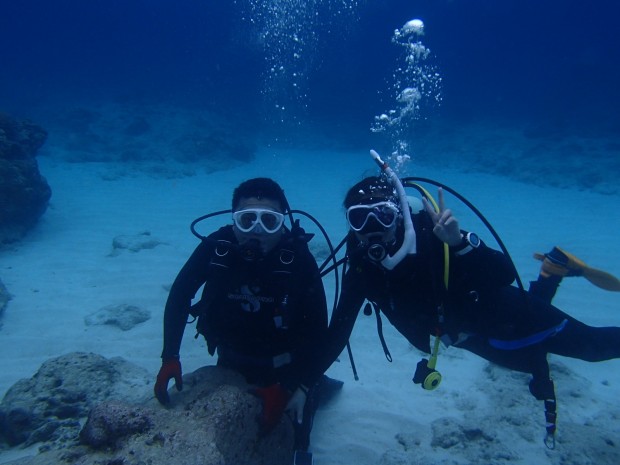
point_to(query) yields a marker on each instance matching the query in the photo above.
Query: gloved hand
(274, 398)
(170, 368)
(297, 403)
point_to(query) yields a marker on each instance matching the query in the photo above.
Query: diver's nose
(258, 229)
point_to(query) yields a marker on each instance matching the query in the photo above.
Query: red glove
(170, 368)
(274, 398)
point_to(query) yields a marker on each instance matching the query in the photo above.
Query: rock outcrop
(123, 316)
(4, 299)
(24, 193)
(212, 421)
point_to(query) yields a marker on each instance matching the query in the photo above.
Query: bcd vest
(221, 273)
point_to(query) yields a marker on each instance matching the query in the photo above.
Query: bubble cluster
(415, 87)
(288, 33)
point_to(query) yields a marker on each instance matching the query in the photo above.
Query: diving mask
(247, 220)
(385, 213)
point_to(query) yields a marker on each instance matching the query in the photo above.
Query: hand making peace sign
(446, 226)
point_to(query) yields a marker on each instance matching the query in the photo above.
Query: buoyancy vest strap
(386, 351)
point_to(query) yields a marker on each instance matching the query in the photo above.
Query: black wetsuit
(263, 317)
(482, 311)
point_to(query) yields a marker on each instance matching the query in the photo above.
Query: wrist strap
(468, 248)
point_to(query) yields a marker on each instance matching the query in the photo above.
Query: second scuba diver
(431, 278)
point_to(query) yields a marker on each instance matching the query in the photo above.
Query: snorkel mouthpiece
(408, 246)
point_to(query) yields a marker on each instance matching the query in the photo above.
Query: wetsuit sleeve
(341, 323)
(191, 277)
(481, 268)
(312, 328)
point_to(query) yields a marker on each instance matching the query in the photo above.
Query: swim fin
(561, 263)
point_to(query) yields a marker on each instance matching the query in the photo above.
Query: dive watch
(469, 242)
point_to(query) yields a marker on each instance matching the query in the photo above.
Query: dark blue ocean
(526, 88)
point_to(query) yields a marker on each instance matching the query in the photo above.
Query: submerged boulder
(123, 316)
(49, 406)
(4, 298)
(212, 421)
(24, 193)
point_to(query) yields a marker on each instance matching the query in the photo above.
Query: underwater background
(524, 88)
(155, 110)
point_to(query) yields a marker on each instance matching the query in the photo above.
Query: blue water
(549, 69)
(526, 89)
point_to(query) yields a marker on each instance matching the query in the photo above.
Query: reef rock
(134, 243)
(24, 193)
(123, 316)
(152, 138)
(4, 298)
(49, 406)
(212, 421)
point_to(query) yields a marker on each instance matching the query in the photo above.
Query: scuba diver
(409, 259)
(263, 308)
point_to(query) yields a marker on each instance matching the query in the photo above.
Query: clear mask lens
(247, 220)
(385, 213)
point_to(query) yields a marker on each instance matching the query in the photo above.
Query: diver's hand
(297, 403)
(274, 398)
(446, 225)
(170, 368)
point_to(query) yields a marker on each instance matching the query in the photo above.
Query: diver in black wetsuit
(430, 278)
(263, 308)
